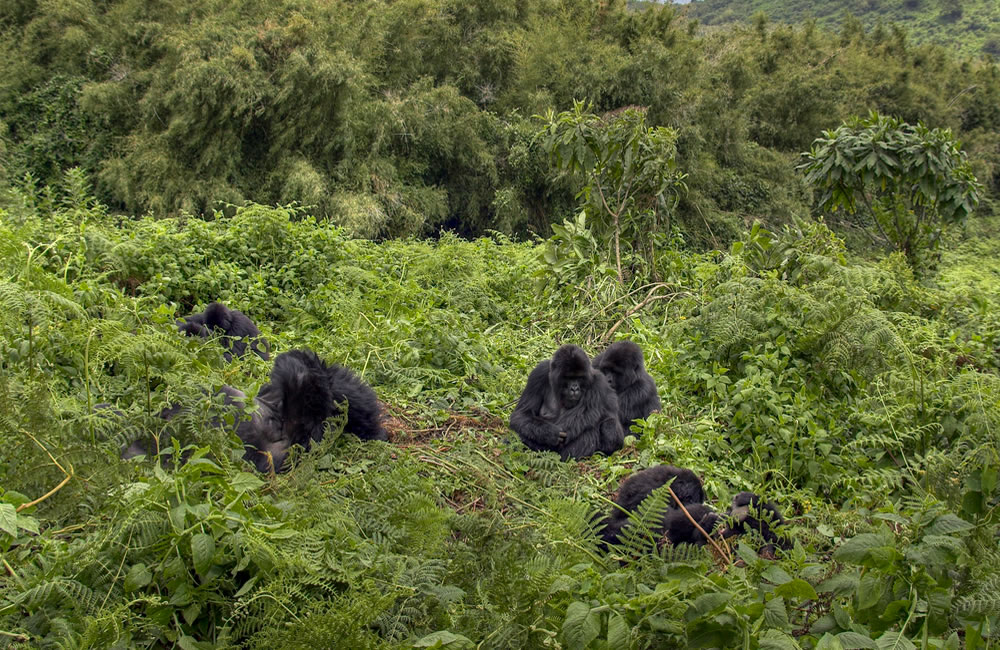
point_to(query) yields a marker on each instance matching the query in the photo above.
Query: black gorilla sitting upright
(623, 365)
(235, 326)
(568, 407)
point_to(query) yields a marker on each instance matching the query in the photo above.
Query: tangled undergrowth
(865, 403)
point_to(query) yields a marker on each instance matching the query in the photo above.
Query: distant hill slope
(971, 26)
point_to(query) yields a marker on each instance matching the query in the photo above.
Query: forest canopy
(399, 118)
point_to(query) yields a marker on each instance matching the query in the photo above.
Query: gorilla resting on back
(235, 326)
(623, 365)
(686, 485)
(568, 407)
(747, 513)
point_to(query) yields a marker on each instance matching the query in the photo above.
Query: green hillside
(438, 194)
(968, 26)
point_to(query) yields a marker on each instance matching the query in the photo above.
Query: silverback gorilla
(623, 365)
(235, 326)
(568, 407)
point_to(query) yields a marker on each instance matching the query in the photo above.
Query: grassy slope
(969, 26)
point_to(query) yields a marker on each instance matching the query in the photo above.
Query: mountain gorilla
(747, 513)
(293, 407)
(751, 513)
(623, 365)
(303, 392)
(235, 327)
(568, 407)
(686, 485)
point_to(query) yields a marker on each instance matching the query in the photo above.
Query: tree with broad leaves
(906, 183)
(629, 170)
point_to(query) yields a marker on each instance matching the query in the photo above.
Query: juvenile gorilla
(751, 513)
(235, 327)
(568, 407)
(686, 485)
(623, 365)
(303, 392)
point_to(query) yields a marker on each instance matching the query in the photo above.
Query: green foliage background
(864, 402)
(399, 118)
(972, 27)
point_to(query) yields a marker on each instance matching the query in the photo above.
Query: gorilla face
(621, 363)
(572, 392)
(570, 375)
(264, 438)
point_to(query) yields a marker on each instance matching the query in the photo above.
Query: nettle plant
(902, 183)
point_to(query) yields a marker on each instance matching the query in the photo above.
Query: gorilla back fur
(304, 391)
(235, 326)
(686, 485)
(545, 423)
(622, 363)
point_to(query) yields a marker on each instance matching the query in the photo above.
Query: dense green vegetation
(867, 404)
(397, 118)
(157, 156)
(970, 26)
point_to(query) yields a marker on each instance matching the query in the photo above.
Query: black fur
(751, 513)
(235, 327)
(680, 530)
(303, 392)
(686, 485)
(622, 363)
(568, 407)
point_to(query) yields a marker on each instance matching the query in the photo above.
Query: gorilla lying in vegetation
(685, 484)
(747, 513)
(292, 409)
(235, 326)
(623, 365)
(568, 407)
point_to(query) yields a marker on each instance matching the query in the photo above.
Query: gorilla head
(622, 363)
(570, 375)
(568, 407)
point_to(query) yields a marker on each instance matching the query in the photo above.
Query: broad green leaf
(444, 639)
(775, 614)
(8, 519)
(245, 482)
(581, 626)
(618, 631)
(777, 640)
(202, 552)
(894, 641)
(797, 589)
(138, 577)
(706, 604)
